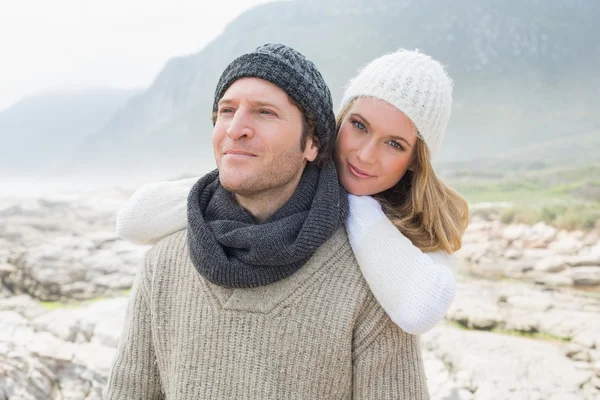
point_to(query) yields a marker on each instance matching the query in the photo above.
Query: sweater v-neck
(264, 299)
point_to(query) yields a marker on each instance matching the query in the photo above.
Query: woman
(392, 120)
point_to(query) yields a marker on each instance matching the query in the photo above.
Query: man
(261, 298)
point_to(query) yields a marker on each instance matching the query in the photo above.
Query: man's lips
(239, 153)
(357, 172)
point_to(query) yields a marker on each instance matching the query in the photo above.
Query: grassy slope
(564, 193)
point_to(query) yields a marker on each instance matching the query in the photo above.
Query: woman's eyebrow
(401, 139)
(365, 121)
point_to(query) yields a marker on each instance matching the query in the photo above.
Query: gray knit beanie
(295, 75)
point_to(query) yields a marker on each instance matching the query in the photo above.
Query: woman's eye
(396, 145)
(359, 125)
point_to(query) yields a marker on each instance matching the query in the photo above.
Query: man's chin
(235, 183)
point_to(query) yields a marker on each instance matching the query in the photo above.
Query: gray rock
(63, 323)
(488, 269)
(79, 290)
(95, 357)
(516, 232)
(585, 276)
(522, 368)
(582, 356)
(75, 267)
(24, 305)
(108, 331)
(536, 254)
(6, 269)
(513, 254)
(47, 346)
(572, 349)
(552, 264)
(587, 339)
(590, 260)
(24, 377)
(518, 269)
(116, 281)
(107, 312)
(541, 234)
(566, 245)
(553, 280)
(595, 382)
(595, 250)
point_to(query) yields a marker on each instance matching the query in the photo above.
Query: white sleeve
(155, 211)
(414, 288)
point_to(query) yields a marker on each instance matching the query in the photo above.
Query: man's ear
(312, 148)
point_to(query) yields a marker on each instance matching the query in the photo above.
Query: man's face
(256, 138)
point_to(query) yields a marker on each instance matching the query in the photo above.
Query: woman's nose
(367, 153)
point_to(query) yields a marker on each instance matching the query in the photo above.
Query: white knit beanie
(415, 84)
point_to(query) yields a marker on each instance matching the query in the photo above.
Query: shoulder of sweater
(173, 244)
(373, 323)
(338, 250)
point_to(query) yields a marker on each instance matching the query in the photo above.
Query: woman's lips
(357, 172)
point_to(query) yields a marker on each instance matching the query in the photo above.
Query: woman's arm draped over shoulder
(414, 288)
(155, 211)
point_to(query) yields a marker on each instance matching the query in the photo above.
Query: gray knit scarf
(229, 249)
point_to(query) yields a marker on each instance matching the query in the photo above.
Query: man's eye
(266, 112)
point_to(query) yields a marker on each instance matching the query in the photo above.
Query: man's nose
(367, 153)
(241, 126)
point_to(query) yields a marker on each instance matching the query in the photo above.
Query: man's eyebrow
(262, 103)
(225, 101)
(366, 123)
(257, 103)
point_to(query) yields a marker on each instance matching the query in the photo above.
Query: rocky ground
(525, 323)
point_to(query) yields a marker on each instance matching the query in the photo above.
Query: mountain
(40, 130)
(525, 72)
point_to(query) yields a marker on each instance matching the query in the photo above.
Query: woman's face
(375, 146)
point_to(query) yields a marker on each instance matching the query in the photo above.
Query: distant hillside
(40, 130)
(525, 72)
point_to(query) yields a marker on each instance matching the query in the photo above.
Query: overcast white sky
(45, 45)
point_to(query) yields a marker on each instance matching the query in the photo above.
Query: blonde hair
(426, 211)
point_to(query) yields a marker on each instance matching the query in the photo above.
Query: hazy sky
(46, 45)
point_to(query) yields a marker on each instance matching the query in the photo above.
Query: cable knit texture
(415, 84)
(318, 334)
(228, 248)
(413, 287)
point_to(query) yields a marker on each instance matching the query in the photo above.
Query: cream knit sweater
(318, 334)
(414, 288)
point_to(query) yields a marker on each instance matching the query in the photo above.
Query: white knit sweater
(414, 288)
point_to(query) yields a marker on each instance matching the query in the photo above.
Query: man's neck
(263, 205)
